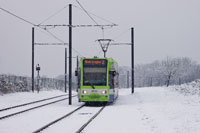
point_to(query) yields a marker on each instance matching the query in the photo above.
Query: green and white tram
(97, 80)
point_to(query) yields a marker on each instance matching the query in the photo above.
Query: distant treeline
(170, 71)
(12, 83)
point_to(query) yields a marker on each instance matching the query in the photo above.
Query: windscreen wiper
(92, 86)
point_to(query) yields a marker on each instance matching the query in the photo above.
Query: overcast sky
(162, 28)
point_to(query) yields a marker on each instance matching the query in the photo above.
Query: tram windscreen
(94, 72)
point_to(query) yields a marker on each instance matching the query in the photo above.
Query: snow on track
(32, 120)
(148, 110)
(29, 103)
(23, 109)
(74, 122)
(25, 97)
(57, 120)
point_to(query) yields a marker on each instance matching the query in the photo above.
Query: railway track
(67, 115)
(92, 118)
(20, 105)
(32, 108)
(57, 120)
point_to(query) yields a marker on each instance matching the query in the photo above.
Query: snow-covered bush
(12, 83)
(192, 88)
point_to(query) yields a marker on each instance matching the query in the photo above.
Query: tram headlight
(104, 92)
(84, 92)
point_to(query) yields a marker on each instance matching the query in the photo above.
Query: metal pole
(127, 79)
(77, 64)
(132, 57)
(32, 59)
(70, 54)
(65, 69)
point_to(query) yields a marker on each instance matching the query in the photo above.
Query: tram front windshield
(95, 75)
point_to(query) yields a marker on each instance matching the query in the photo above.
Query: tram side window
(111, 81)
(116, 80)
(79, 79)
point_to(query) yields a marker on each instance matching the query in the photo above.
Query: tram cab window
(111, 80)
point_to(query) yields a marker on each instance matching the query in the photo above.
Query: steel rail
(20, 112)
(59, 119)
(85, 125)
(16, 106)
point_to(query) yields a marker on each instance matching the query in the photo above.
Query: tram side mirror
(114, 73)
(76, 73)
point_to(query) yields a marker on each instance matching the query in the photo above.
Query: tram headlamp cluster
(104, 92)
(84, 92)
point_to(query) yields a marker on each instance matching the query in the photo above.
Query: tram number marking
(94, 91)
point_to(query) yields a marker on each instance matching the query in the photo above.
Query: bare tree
(170, 67)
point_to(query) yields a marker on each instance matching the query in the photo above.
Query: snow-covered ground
(152, 109)
(148, 110)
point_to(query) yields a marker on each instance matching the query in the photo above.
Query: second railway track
(33, 102)
(5, 114)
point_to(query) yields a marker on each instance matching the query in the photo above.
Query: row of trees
(12, 83)
(165, 72)
(171, 71)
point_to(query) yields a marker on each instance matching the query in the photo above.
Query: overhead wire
(43, 31)
(99, 52)
(54, 36)
(120, 44)
(96, 16)
(65, 25)
(87, 12)
(17, 16)
(64, 42)
(50, 43)
(52, 15)
(103, 34)
(103, 28)
(122, 33)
